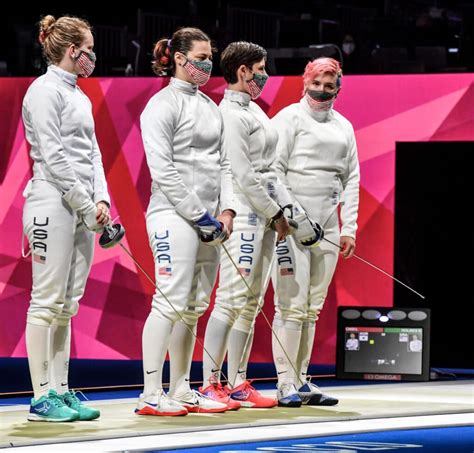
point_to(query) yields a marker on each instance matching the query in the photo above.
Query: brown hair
(237, 54)
(181, 41)
(55, 35)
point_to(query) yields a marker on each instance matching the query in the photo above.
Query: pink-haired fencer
(317, 160)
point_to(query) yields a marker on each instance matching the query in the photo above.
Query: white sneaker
(288, 396)
(159, 403)
(313, 396)
(196, 402)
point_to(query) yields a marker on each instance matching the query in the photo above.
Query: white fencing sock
(60, 351)
(155, 340)
(305, 350)
(289, 334)
(237, 362)
(37, 345)
(181, 350)
(215, 342)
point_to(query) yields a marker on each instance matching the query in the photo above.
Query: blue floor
(435, 440)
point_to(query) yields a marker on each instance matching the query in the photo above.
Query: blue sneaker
(288, 396)
(311, 395)
(85, 412)
(51, 408)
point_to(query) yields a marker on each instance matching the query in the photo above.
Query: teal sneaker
(51, 408)
(85, 412)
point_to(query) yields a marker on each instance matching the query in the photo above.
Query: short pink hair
(321, 66)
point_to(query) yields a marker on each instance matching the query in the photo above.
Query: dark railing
(110, 45)
(260, 27)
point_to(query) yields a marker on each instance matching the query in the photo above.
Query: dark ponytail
(182, 41)
(162, 63)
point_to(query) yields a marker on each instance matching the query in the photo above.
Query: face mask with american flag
(86, 61)
(200, 71)
(320, 101)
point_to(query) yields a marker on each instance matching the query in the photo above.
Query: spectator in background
(350, 54)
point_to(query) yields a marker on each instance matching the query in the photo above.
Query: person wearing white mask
(348, 45)
(250, 141)
(66, 203)
(317, 160)
(190, 213)
(350, 55)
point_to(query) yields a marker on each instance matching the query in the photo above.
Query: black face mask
(321, 96)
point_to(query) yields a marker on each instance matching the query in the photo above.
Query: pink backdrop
(383, 110)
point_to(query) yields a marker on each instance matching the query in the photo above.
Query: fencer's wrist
(78, 198)
(279, 216)
(229, 212)
(208, 223)
(89, 217)
(103, 202)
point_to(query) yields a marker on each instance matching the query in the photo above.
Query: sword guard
(111, 236)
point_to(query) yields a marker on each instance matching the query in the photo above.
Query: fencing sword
(260, 300)
(113, 235)
(265, 317)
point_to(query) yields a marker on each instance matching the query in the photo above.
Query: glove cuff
(78, 198)
(278, 217)
(191, 208)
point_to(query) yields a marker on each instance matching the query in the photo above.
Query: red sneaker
(248, 396)
(216, 392)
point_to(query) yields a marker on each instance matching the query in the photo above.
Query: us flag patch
(39, 259)
(286, 271)
(165, 271)
(252, 219)
(244, 271)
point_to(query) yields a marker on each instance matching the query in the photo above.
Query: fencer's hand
(103, 213)
(282, 228)
(227, 219)
(348, 246)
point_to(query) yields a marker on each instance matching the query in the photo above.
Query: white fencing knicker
(62, 250)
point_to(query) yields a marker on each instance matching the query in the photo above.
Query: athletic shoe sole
(89, 418)
(200, 410)
(289, 404)
(150, 411)
(40, 418)
(250, 405)
(315, 400)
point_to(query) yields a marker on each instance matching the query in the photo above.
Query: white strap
(23, 247)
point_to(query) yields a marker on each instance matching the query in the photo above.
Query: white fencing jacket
(250, 141)
(60, 128)
(317, 161)
(182, 133)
